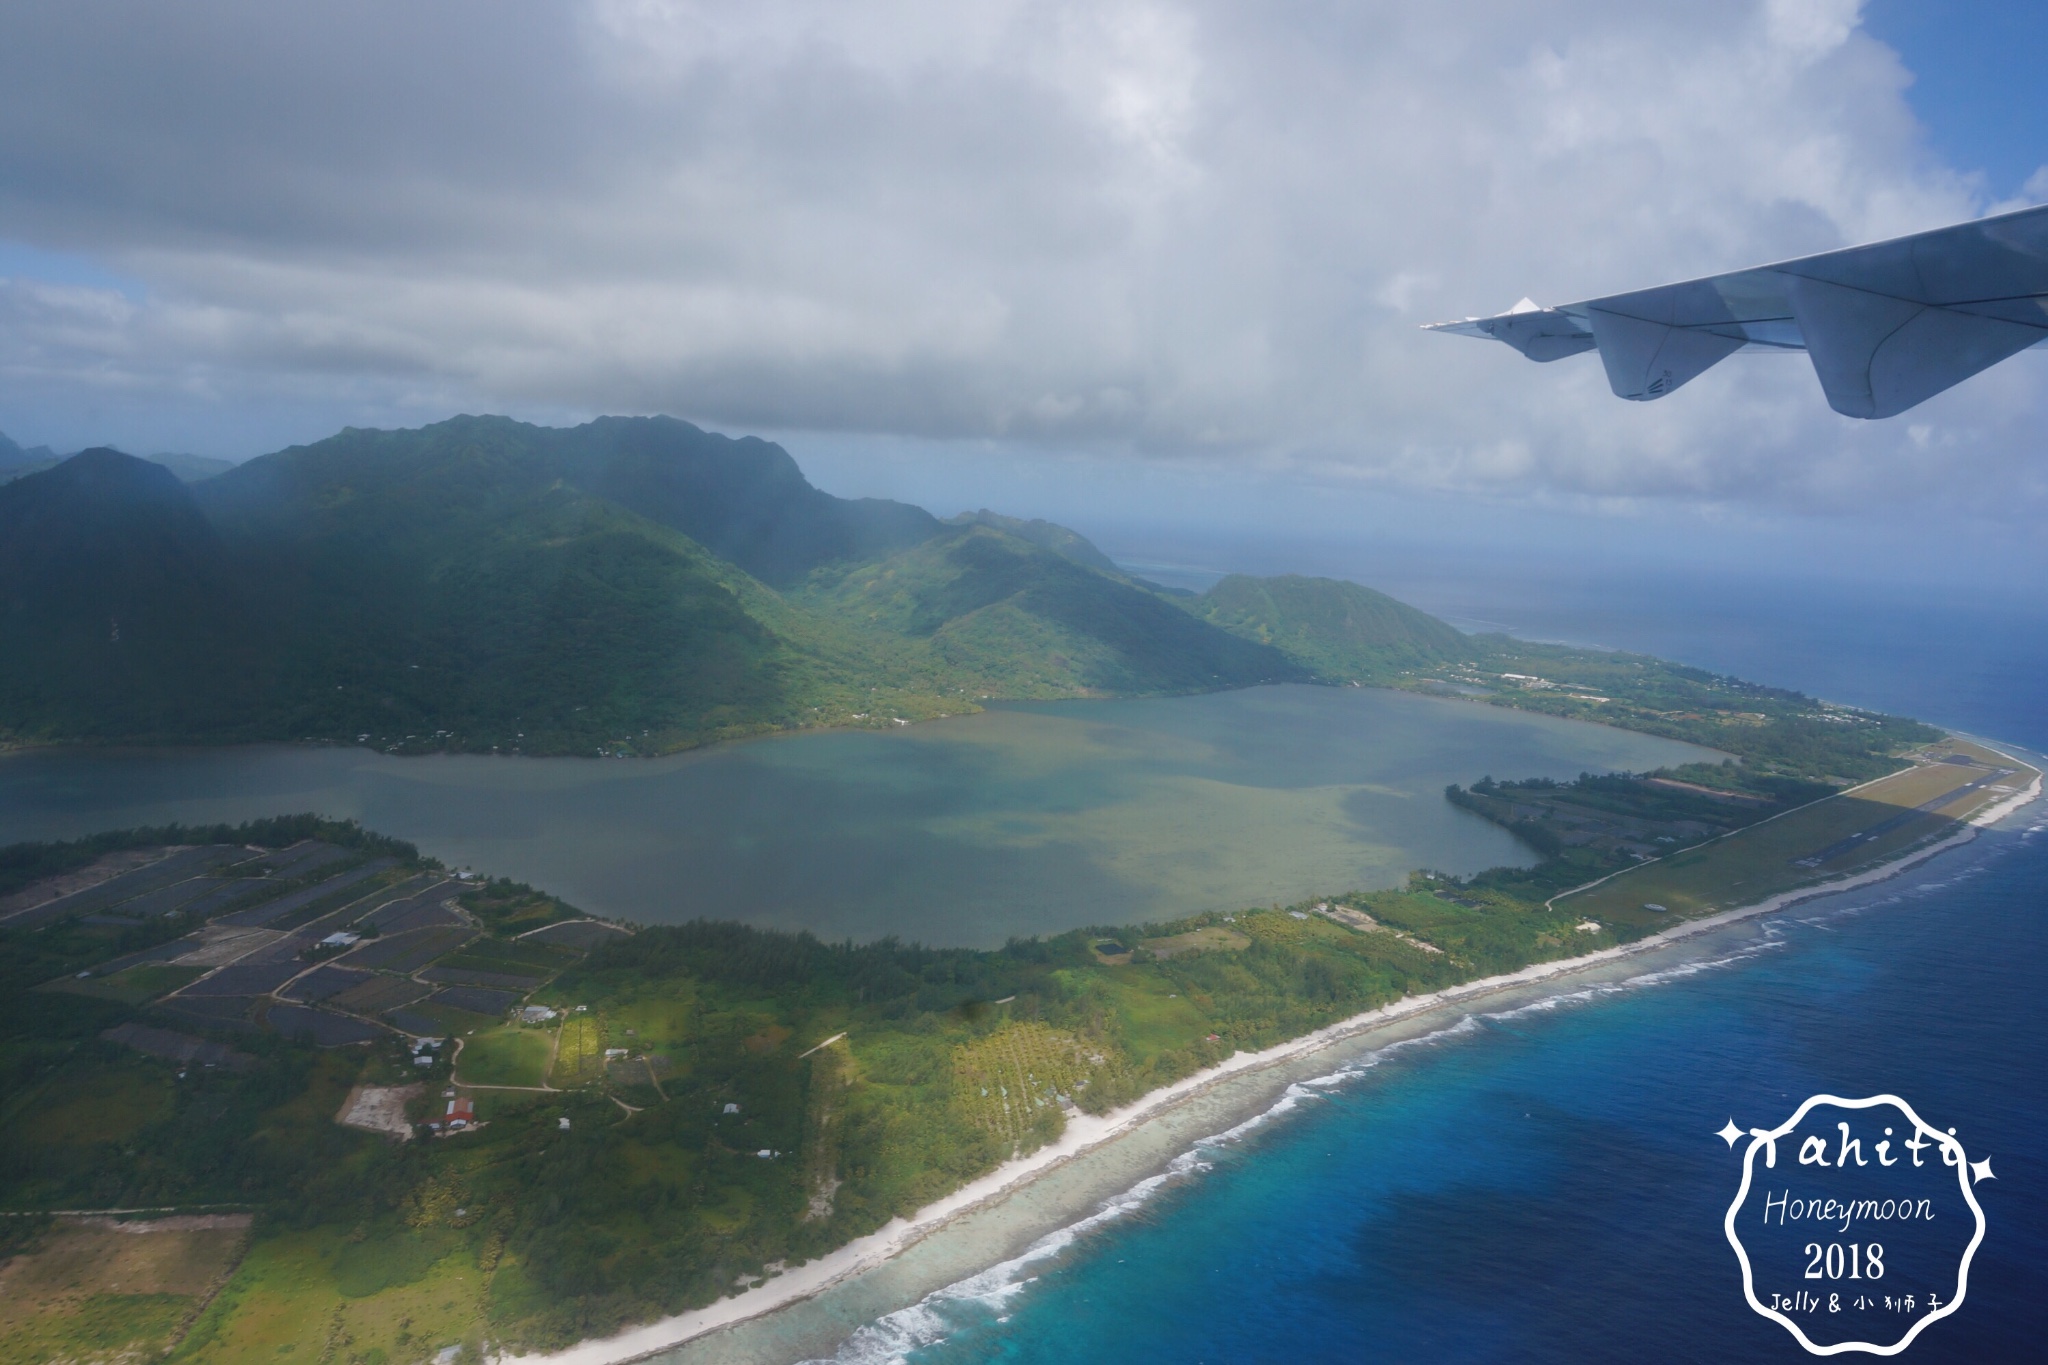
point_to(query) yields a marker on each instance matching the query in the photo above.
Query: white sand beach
(1088, 1133)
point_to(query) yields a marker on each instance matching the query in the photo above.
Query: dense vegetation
(1340, 631)
(658, 1196)
(639, 585)
(712, 1102)
(631, 585)
(1775, 733)
(735, 1099)
(1019, 620)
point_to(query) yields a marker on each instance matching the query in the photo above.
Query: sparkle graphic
(1728, 1133)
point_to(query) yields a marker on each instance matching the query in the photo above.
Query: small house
(461, 1113)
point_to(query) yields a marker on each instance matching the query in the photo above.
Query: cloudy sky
(1128, 253)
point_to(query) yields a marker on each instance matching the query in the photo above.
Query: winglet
(1539, 333)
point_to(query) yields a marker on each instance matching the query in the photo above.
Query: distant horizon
(1146, 266)
(1283, 526)
(808, 681)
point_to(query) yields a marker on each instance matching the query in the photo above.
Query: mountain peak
(1344, 631)
(1066, 543)
(101, 475)
(110, 467)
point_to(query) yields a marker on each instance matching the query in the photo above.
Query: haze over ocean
(1152, 269)
(1975, 658)
(1545, 1185)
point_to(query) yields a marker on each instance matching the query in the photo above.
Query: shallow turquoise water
(1023, 820)
(1545, 1185)
(1542, 1182)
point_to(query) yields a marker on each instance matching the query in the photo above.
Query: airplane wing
(1887, 326)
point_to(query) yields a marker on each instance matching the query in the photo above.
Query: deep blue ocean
(1545, 1183)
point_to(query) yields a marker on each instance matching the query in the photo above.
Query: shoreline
(1085, 1133)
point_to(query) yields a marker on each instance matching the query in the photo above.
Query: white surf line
(1086, 1132)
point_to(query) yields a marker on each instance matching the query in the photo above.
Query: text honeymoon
(1848, 1211)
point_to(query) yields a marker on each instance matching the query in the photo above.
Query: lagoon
(1025, 819)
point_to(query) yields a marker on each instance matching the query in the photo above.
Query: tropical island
(376, 1110)
(294, 1084)
(638, 586)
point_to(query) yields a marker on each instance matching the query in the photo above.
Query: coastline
(1086, 1134)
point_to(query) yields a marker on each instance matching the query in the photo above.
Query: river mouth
(1026, 819)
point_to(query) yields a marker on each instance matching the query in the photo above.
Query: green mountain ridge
(115, 594)
(1066, 543)
(631, 585)
(638, 586)
(1005, 608)
(1340, 631)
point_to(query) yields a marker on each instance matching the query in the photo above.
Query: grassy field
(383, 1295)
(1153, 1018)
(508, 1054)
(1836, 837)
(513, 956)
(651, 1023)
(80, 1110)
(1195, 941)
(133, 986)
(91, 1290)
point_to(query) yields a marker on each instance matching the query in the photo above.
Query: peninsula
(378, 1110)
(292, 1085)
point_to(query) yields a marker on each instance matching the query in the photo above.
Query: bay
(1025, 819)
(1542, 1181)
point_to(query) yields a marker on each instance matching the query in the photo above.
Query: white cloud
(1184, 230)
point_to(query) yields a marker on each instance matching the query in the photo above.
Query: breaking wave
(988, 1295)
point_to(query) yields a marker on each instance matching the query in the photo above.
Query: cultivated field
(580, 1056)
(1010, 1082)
(94, 1289)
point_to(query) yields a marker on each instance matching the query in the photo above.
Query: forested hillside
(636, 586)
(628, 586)
(1028, 621)
(1340, 631)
